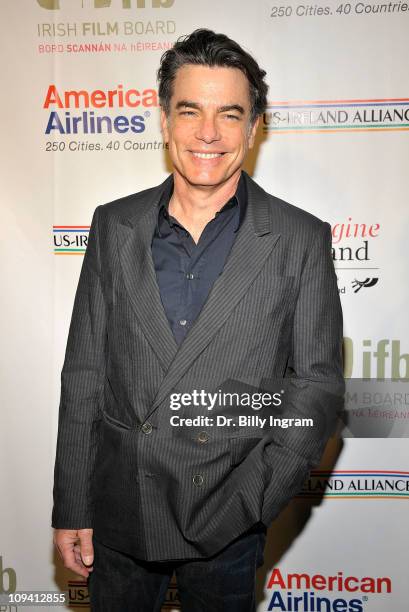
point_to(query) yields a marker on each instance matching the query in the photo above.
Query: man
(203, 286)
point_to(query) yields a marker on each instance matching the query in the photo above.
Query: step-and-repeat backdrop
(80, 128)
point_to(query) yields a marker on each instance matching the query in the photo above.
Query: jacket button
(146, 428)
(203, 436)
(198, 480)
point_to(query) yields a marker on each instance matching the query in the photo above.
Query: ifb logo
(53, 5)
(11, 580)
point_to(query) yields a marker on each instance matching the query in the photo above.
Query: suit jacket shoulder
(135, 204)
(294, 224)
(290, 212)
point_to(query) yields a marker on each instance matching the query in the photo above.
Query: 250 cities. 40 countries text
(360, 8)
(112, 145)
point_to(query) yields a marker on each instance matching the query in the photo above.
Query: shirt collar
(239, 198)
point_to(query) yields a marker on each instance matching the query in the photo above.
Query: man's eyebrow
(188, 103)
(230, 107)
(220, 109)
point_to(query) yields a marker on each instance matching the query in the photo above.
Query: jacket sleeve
(315, 385)
(82, 380)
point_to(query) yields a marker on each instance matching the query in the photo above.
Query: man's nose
(208, 130)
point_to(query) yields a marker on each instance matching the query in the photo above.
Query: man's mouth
(206, 155)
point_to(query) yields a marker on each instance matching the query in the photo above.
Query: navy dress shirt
(186, 271)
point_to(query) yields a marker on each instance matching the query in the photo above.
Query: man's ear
(253, 131)
(164, 125)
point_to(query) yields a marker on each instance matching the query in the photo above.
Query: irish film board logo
(8, 579)
(101, 4)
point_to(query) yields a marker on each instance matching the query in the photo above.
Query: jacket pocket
(115, 423)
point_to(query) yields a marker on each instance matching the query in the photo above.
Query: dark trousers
(222, 583)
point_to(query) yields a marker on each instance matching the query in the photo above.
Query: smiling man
(209, 126)
(203, 287)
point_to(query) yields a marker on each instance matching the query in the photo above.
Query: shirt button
(146, 428)
(198, 480)
(190, 276)
(183, 322)
(203, 436)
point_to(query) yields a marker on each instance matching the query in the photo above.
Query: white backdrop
(334, 141)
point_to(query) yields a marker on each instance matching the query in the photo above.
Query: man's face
(208, 128)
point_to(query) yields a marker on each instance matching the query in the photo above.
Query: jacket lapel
(134, 245)
(253, 243)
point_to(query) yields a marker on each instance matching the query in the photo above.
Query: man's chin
(205, 180)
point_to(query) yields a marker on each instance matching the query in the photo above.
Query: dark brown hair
(206, 48)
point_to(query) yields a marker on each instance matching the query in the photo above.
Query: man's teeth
(207, 155)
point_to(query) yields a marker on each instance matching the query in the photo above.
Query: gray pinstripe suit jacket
(274, 311)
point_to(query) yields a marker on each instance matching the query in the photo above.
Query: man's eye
(233, 117)
(187, 113)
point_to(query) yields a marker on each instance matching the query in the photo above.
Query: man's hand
(76, 550)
